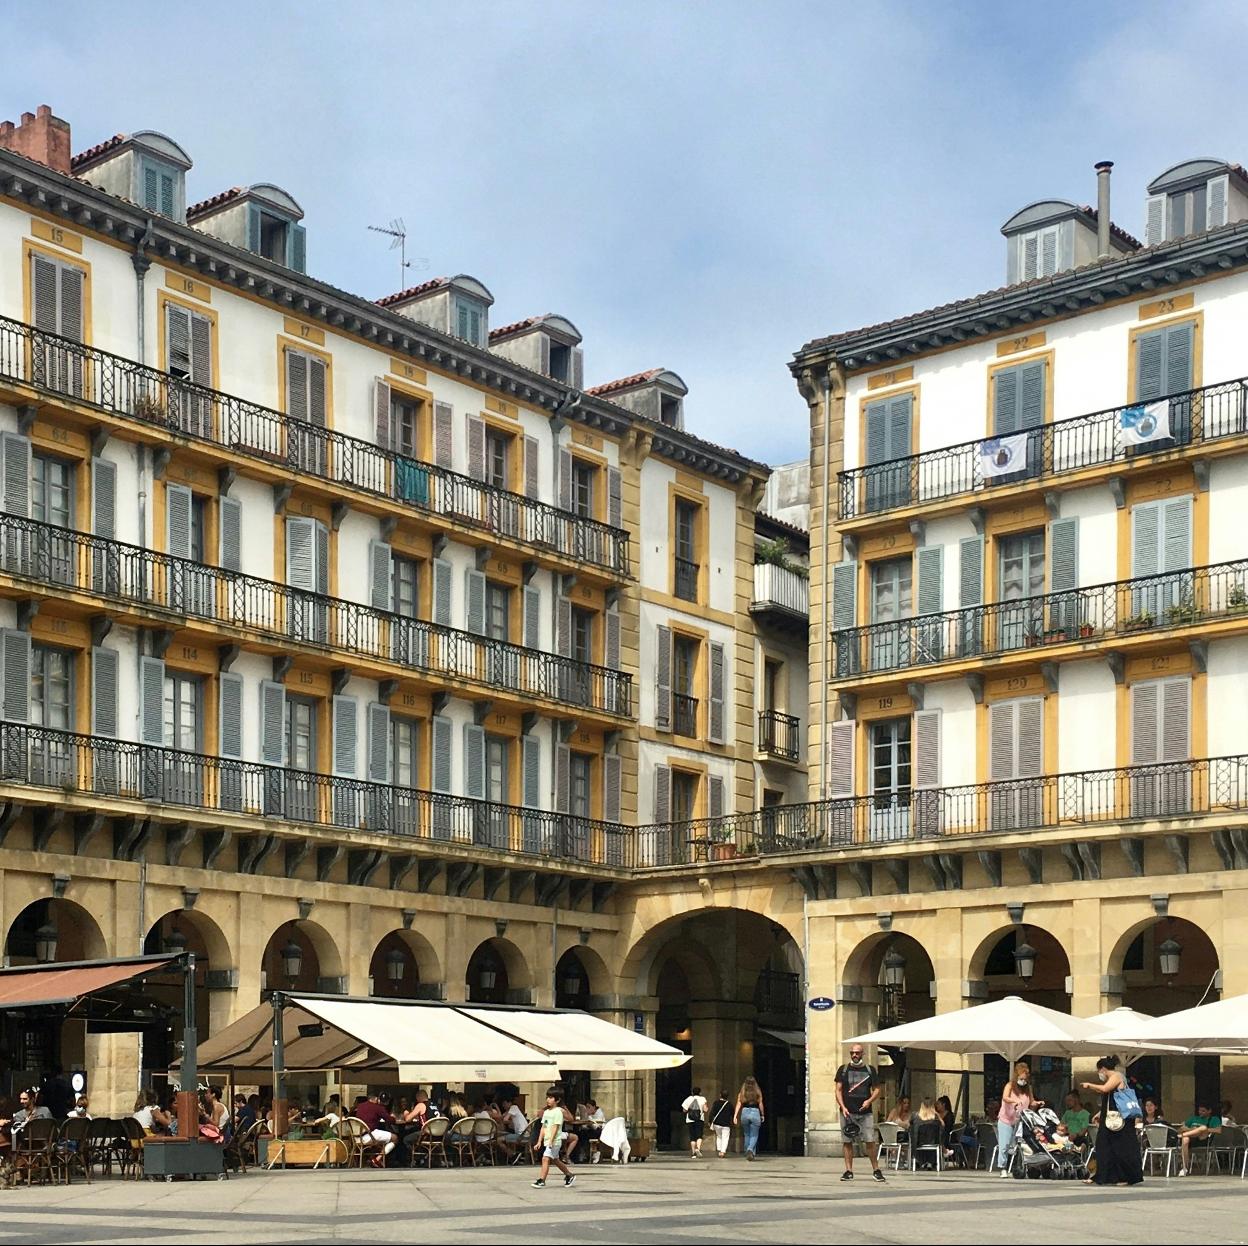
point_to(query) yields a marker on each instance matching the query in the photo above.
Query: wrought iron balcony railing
(684, 714)
(686, 579)
(778, 735)
(93, 765)
(1168, 790)
(60, 558)
(148, 396)
(1197, 416)
(1145, 604)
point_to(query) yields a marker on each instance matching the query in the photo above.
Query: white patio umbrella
(1009, 1027)
(1119, 1021)
(1220, 1027)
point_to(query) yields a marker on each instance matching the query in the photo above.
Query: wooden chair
(484, 1139)
(240, 1150)
(34, 1151)
(459, 1138)
(74, 1147)
(431, 1142)
(130, 1151)
(358, 1139)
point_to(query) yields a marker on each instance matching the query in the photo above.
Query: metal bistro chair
(34, 1151)
(1161, 1142)
(1214, 1146)
(1237, 1140)
(74, 1147)
(459, 1138)
(986, 1140)
(915, 1146)
(891, 1145)
(431, 1142)
(484, 1140)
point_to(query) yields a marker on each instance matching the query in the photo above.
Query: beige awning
(579, 1041)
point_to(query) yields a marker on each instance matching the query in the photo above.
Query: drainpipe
(806, 1021)
(1102, 208)
(142, 262)
(825, 618)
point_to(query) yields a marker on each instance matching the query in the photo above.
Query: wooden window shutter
(532, 486)
(899, 419)
(296, 385)
(230, 517)
(15, 452)
(317, 392)
(532, 617)
(475, 427)
(1005, 414)
(844, 595)
(927, 748)
(253, 228)
(1177, 541)
(663, 679)
(1155, 229)
(179, 503)
(71, 318)
(442, 592)
(15, 655)
(876, 416)
(297, 248)
(443, 450)
(611, 645)
(563, 778)
(563, 626)
(300, 553)
(151, 701)
(662, 794)
(1048, 252)
(840, 752)
(201, 350)
(346, 733)
(1146, 538)
(1063, 555)
(715, 714)
(474, 761)
(440, 761)
(1149, 365)
(970, 571)
(576, 377)
(1001, 735)
(381, 412)
(615, 497)
(104, 498)
(714, 796)
(230, 715)
(44, 300)
(151, 188)
(1144, 720)
(1215, 204)
(930, 561)
(378, 743)
(104, 714)
(272, 723)
(1180, 340)
(178, 339)
(379, 575)
(1030, 245)
(1031, 382)
(1175, 720)
(531, 762)
(474, 599)
(565, 480)
(611, 774)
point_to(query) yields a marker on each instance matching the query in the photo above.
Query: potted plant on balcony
(1138, 622)
(1054, 635)
(777, 553)
(1032, 636)
(149, 407)
(1085, 630)
(1237, 601)
(1184, 611)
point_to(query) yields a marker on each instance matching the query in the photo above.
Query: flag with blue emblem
(1145, 422)
(1000, 456)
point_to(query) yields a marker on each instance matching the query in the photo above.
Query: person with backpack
(695, 1117)
(721, 1123)
(857, 1089)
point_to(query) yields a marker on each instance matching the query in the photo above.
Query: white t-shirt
(600, 1116)
(515, 1120)
(694, 1101)
(144, 1117)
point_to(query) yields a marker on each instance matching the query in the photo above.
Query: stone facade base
(823, 1139)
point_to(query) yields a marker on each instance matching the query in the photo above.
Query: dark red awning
(63, 984)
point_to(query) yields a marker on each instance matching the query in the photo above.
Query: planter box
(303, 1153)
(182, 1157)
(723, 852)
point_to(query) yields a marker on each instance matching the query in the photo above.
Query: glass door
(891, 602)
(890, 779)
(300, 759)
(1022, 584)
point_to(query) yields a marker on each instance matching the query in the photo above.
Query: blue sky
(700, 186)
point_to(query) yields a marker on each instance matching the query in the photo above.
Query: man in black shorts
(857, 1089)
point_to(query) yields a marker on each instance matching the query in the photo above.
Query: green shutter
(272, 723)
(1176, 545)
(230, 513)
(379, 575)
(663, 679)
(1149, 369)
(1063, 555)
(1145, 539)
(715, 716)
(970, 571)
(1179, 341)
(443, 734)
(531, 764)
(1005, 402)
(230, 705)
(474, 598)
(474, 761)
(104, 692)
(442, 592)
(15, 655)
(346, 733)
(378, 743)
(931, 561)
(152, 701)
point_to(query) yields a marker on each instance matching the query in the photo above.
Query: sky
(697, 186)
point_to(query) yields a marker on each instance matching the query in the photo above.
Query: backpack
(694, 1115)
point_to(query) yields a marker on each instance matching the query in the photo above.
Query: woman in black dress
(1118, 1159)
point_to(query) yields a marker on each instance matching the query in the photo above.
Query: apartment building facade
(347, 642)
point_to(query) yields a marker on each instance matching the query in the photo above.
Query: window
(198, 506)
(684, 674)
(183, 712)
(582, 635)
(274, 237)
(670, 411)
(188, 338)
(772, 697)
(684, 796)
(1039, 253)
(53, 491)
(51, 687)
(161, 187)
(497, 611)
(470, 320)
(496, 790)
(891, 602)
(579, 796)
(404, 425)
(583, 488)
(560, 362)
(889, 429)
(300, 733)
(404, 752)
(687, 550)
(496, 447)
(405, 586)
(890, 779)
(1022, 580)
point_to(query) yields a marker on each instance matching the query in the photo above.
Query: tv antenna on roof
(397, 232)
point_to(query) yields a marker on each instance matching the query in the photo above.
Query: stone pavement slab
(666, 1200)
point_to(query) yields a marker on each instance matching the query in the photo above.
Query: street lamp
(292, 960)
(572, 981)
(1169, 954)
(894, 970)
(396, 964)
(1025, 961)
(45, 943)
(488, 977)
(175, 942)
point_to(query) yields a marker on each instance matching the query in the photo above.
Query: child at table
(551, 1140)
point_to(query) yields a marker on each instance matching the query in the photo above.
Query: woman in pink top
(1014, 1098)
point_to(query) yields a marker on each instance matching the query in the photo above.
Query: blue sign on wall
(821, 1003)
(639, 1022)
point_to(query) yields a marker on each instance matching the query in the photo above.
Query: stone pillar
(1088, 964)
(949, 971)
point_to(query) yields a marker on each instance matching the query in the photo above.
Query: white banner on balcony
(999, 456)
(1145, 422)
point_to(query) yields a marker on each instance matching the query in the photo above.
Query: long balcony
(1166, 792)
(778, 735)
(143, 583)
(148, 397)
(100, 768)
(1197, 417)
(781, 597)
(1198, 596)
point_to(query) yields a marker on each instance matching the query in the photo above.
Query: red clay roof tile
(625, 382)
(412, 291)
(85, 157)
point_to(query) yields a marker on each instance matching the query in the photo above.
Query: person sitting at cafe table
(1076, 1117)
(1204, 1125)
(81, 1109)
(381, 1126)
(330, 1117)
(30, 1110)
(150, 1115)
(515, 1128)
(244, 1114)
(213, 1112)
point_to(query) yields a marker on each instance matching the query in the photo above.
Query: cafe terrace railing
(148, 396)
(1197, 416)
(1145, 604)
(61, 558)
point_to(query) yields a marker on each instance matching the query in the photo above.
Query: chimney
(1102, 209)
(40, 136)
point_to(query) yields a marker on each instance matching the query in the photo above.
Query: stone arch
(319, 969)
(423, 976)
(507, 962)
(1052, 955)
(596, 971)
(1134, 965)
(203, 936)
(584, 966)
(78, 934)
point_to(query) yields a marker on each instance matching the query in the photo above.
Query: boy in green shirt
(551, 1140)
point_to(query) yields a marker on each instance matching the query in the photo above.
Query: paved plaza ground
(667, 1199)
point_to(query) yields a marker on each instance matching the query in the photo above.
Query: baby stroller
(1036, 1153)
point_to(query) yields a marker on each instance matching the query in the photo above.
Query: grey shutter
(1031, 382)
(663, 680)
(531, 762)
(563, 626)
(563, 778)
(1179, 342)
(297, 385)
(151, 701)
(1146, 539)
(715, 716)
(379, 575)
(474, 761)
(1048, 252)
(178, 508)
(44, 281)
(15, 654)
(442, 592)
(230, 515)
(930, 561)
(1063, 555)
(576, 371)
(253, 228)
(167, 205)
(714, 796)
(317, 400)
(476, 446)
(565, 480)
(72, 282)
(320, 535)
(378, 743)
(1155, 229)
(301, 553)
(611, 646)
(927, 748)
(1030, 244)
(178, 339)
(899, 410)
(297, 242)
(474, 601)
(381, 412)
(840, 753)
(346, 736)
(532, 617)
(532, 488)
(1175, 720)
(272, 723)
(1144, 719)
(104, 692)
(1030, 738)
(970, 571)
(443, 451)
(877, 432)
(201, 350)
(615, 499)
(16, 471)
(230, 713)
(440, 768)
(1149, 379)
(1001, 734)
(844, 595)
(151, 188)
(662, 793)
(1005, 401)
(1215, 204)
(611, 774)
(1176, 550)
(104, 498)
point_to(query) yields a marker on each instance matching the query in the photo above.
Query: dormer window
(560, 362)
(1192, 197)
(670, 411)
(1038, 253)
(470, 321)
(162, 188)
(275, 237)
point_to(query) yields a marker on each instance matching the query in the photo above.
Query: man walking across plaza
(857, 1089)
